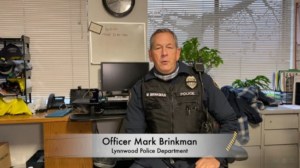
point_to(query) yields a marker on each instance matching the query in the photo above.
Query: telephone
(55, 101)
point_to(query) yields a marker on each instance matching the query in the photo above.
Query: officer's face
(164, 53)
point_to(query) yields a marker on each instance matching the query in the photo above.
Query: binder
(284, 80)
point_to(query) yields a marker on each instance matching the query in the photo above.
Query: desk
(52, 127)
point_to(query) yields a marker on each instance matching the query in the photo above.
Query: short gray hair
(164, 30)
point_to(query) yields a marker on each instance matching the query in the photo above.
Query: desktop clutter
(94, 104)
(86, 104)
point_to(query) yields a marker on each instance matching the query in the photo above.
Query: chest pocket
(154, 100)
(152, 103)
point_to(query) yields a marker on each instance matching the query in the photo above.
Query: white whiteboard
(118, 42)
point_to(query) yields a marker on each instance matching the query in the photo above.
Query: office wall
(97, 13)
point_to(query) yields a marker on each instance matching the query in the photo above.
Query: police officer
(168, 100)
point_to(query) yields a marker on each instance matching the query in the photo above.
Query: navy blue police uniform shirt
(214, 99)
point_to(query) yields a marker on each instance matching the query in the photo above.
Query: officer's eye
(157, 47)
(170, 46)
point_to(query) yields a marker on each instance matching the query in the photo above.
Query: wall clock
(118, 8)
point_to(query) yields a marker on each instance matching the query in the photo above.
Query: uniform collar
(183, 69)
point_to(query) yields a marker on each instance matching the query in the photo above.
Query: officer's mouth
(164, 62)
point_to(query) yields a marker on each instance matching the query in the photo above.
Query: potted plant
(191, 52)
(260, 81)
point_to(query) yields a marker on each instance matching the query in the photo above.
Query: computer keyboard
(109, 112)
(59, 113)
(118, 98)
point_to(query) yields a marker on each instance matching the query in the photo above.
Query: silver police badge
(191, 82)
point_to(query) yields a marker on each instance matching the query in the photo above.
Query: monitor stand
(91, 116)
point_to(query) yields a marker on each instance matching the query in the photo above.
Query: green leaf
(259, 81)
(191, 52)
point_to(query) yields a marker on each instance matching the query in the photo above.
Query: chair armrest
(238, 153)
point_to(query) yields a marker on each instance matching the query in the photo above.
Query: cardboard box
(5, 161)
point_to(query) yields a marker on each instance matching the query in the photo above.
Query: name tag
(155, 94)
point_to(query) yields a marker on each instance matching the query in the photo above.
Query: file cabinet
(280, 137)
(274, 142)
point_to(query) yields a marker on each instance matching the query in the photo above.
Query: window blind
(255, 37)
(58, 41)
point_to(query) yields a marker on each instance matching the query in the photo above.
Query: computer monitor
(119, 77)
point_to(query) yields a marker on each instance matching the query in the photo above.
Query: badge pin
(191, 82)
